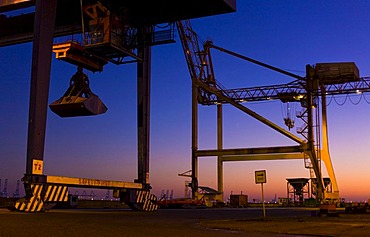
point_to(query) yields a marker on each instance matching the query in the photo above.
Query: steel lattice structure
(292, 91)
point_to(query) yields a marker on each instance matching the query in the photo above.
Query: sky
(285, 34)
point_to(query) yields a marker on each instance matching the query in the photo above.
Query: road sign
(260, 176)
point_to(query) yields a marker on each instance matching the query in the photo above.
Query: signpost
(260, 178)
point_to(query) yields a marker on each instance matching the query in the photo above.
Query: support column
(143, 107)
(325, 155)
(220, 164)
(312, 87)
(44, 25)
(194, 137)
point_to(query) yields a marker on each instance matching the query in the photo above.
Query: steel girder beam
(143, 107)
(251, 151)
(255, 157)
(18, 29)
(91, 183)
(40, 79)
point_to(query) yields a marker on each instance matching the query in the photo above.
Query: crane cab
(107, 35)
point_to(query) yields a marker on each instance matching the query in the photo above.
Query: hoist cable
(82, 23)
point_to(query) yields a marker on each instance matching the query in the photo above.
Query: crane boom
(198, 60)
(292, 91)
(199, 63)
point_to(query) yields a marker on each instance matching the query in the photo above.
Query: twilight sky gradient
(286, 34)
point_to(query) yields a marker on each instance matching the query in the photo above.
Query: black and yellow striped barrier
(40, 194)
(141, 200)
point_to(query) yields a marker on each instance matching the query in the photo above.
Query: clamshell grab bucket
(72, 106)
(78, 100)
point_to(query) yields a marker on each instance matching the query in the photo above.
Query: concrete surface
(215, 222)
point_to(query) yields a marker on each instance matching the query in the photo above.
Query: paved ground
(280, 222)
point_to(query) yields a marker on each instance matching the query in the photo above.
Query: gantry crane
(112, 31)
(321, 80)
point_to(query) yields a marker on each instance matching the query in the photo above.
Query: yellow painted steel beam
(325, 155)
(91, 183)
